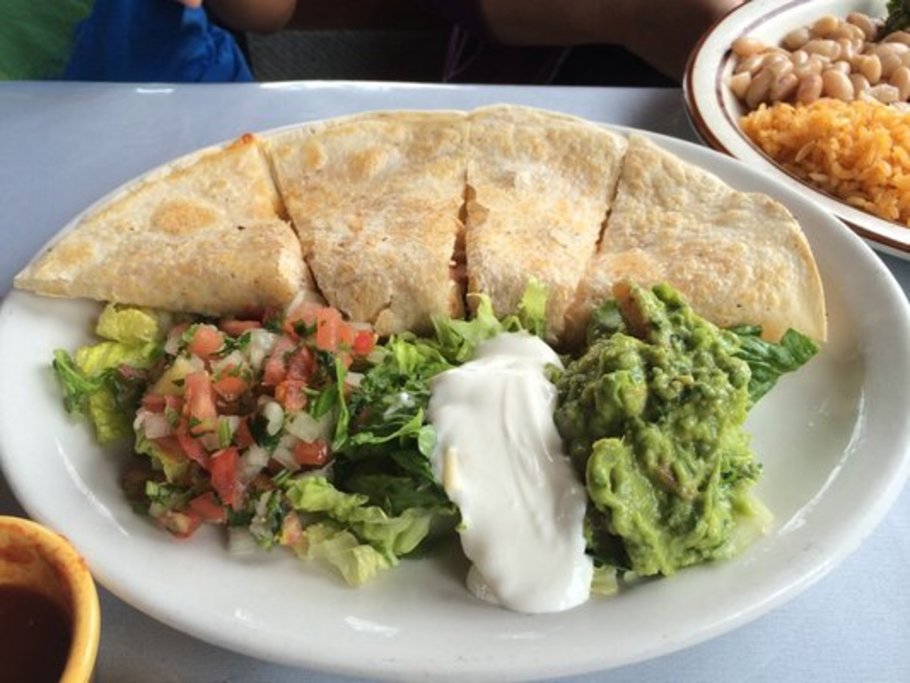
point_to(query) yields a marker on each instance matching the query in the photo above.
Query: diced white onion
(172, 344)
(283, 453)
(196, 363)
(274, 413)
(306, 428)
(353, 379)
(252, 462)
(233, 360)
(241, 541)
(155, 425)
(260, 346)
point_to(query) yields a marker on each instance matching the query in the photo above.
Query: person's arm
(661, 32)
(255, 16)
(267, 16)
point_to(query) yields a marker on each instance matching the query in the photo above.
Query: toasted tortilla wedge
(375, 199)
(739, 258)
(539, 188)
(204, 235)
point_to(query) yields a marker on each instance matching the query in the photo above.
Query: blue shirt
(153, 40)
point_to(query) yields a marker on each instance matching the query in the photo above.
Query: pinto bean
(745, 46)
(835, 83)
(809, 89)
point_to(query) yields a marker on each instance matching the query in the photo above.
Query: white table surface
(64, 145)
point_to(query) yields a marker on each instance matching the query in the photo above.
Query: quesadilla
(204, 235)
(738, 258)
(539, 189)
(375, 199)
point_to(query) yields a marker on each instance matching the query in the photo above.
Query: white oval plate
(715, 111)
(834, 439)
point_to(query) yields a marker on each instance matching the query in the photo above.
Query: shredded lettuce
(392, 535)
(457, 339)
(357, 562)
(357, 538)
(769, 360)
(93, 385)
(128, 325)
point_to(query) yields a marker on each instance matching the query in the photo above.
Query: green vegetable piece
(132, 326)
(768, 361)
(107, 415)
(393, 536)
(604, 581)
(357, 562)
(175, 468)
(532, 309)
(898, 17)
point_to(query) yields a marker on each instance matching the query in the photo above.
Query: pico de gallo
(256, 423)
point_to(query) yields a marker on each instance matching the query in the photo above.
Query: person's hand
(664, 33)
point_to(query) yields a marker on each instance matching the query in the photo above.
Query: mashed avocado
(652, 416)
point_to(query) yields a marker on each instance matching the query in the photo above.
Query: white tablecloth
(64, 145)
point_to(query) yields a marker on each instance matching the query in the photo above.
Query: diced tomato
(276, 366)
(206, 341)
(237, 327)
(200, 402)
(192, 449)
(223, 468)
(305, 313)
(346, 336)
(301, 364)
(230, 387)
(291, 395)
(364, 342)
(173, 402)
(243, 437)
(207, 508)
(181, 524)
(154, 403)
(328, 329)
(314, 453)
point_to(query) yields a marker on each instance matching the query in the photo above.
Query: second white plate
(715, 111)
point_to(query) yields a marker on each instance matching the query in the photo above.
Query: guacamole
(652, 416)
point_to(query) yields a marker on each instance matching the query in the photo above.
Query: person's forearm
(663, 33)
(255, 16)
(555, 22)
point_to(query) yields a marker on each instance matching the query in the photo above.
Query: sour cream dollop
(500, 459)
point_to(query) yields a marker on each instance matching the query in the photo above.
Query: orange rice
(856, 151)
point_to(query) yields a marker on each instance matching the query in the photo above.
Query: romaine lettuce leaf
(129, 325)
(457, 339)
(393, 536)
(358, 562)
(769, 360)
(92, 383)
